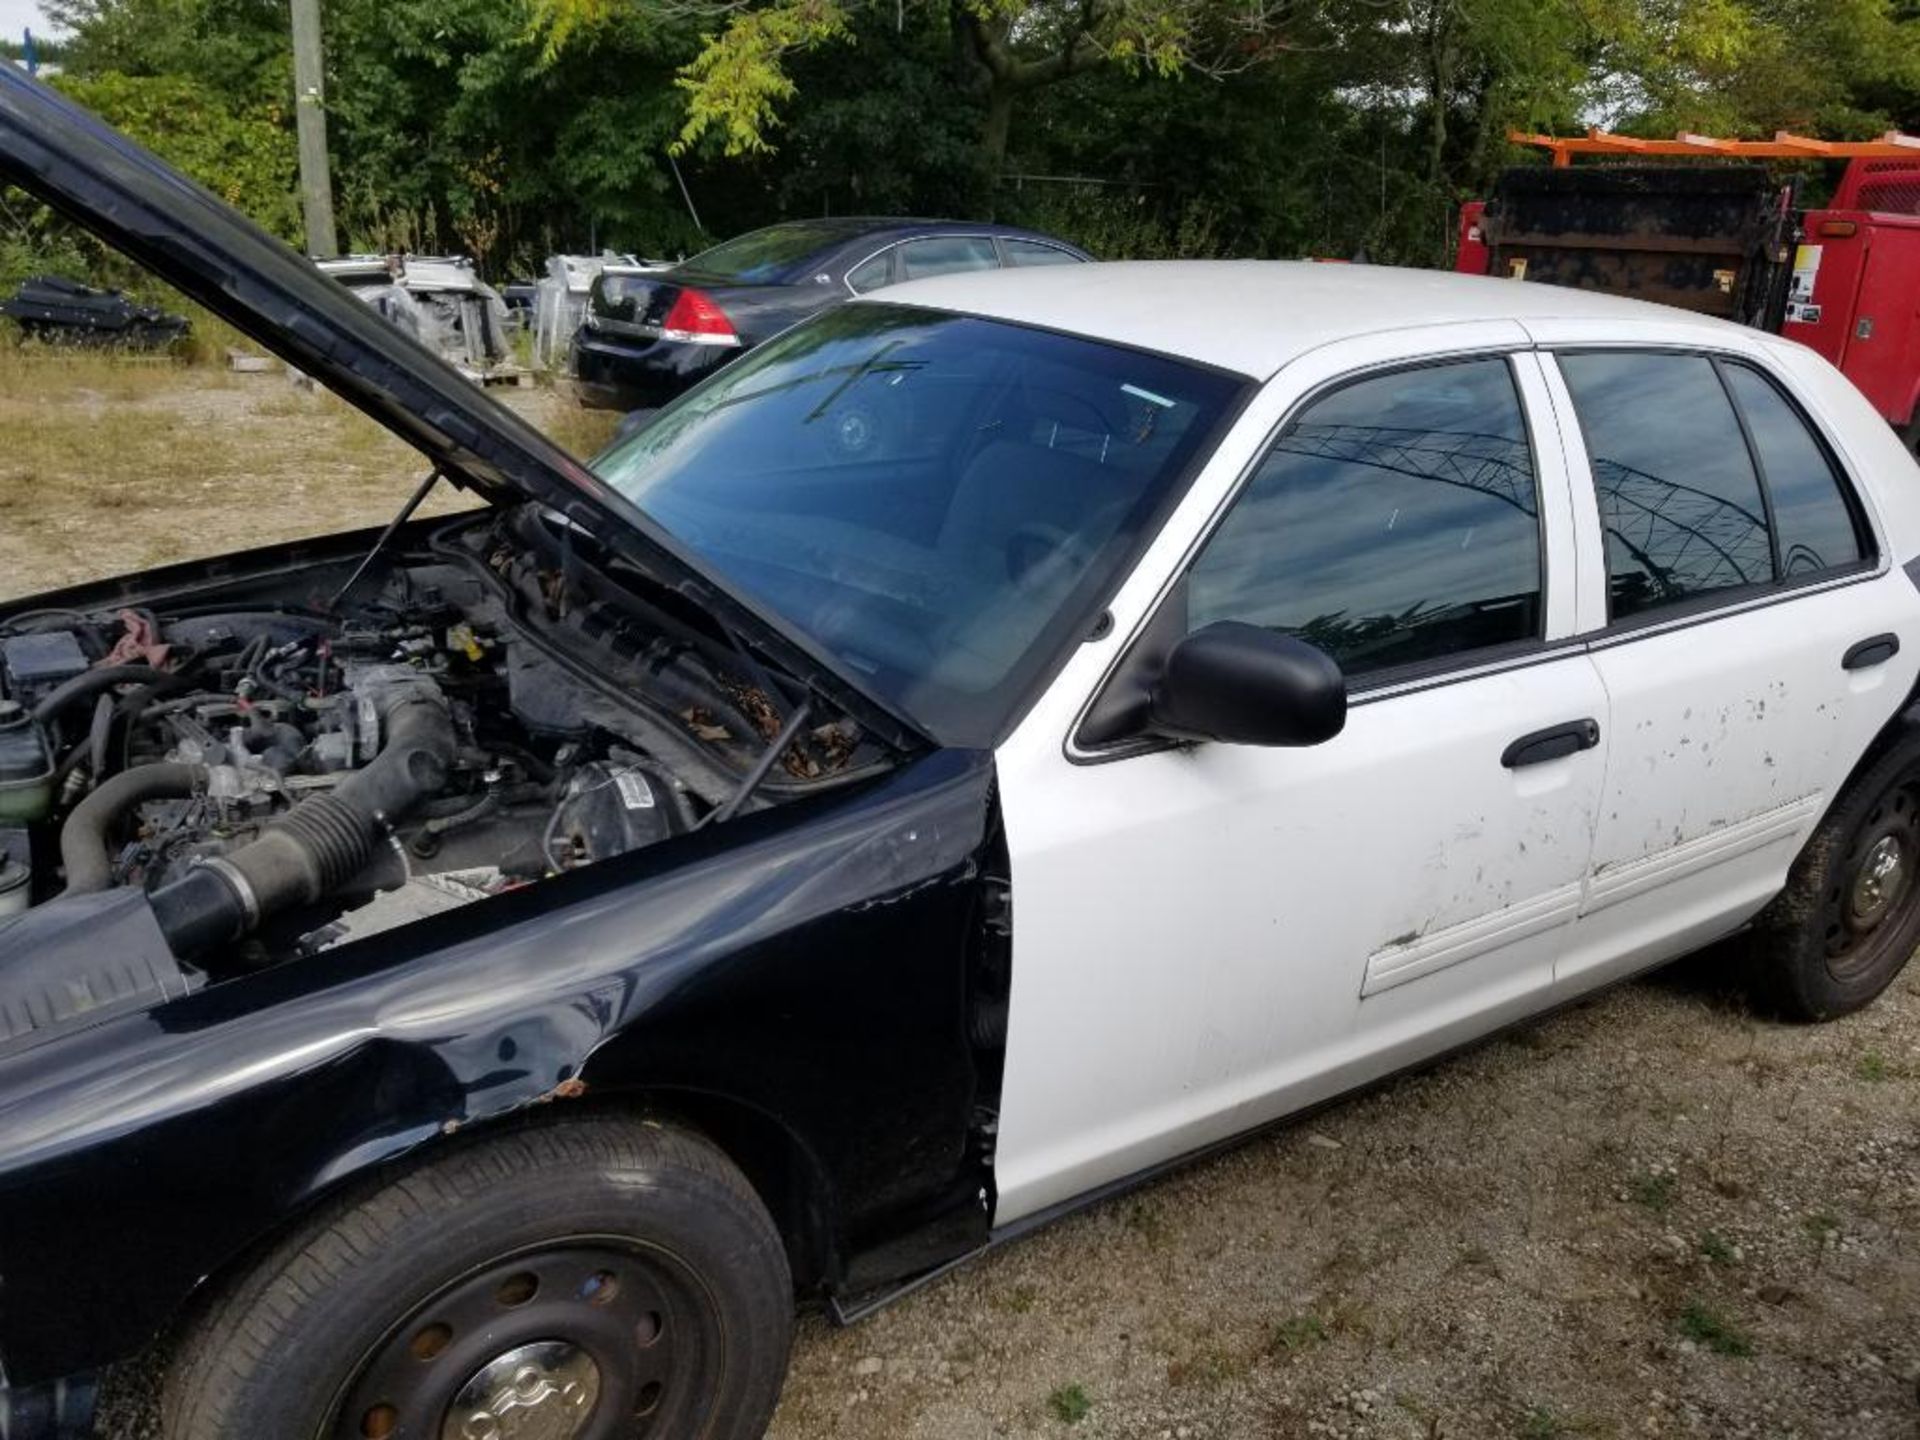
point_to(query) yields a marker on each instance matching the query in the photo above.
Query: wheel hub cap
(543, 1391)
(1881, 877)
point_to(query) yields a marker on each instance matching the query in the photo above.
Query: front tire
(1850, 916)
(593, 1279)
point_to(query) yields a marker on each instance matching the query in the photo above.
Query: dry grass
(114, 463)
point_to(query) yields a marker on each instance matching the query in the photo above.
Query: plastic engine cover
(81, 959)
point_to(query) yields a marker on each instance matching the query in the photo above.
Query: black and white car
(998, 740)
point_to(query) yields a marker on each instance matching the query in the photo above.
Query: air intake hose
(323, 842)
(83, 839)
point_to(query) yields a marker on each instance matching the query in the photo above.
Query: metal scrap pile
(440, 302)
(560, 300)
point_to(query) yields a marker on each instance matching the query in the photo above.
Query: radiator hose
(325, 841)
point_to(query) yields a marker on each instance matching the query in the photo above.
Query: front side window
(1679, 498)
(946, 255)
(1395, 522)
(935, 500)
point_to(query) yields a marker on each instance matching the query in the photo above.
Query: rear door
(1750, 641)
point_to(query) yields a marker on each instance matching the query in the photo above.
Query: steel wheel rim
(1873, 894)
(584, 1338)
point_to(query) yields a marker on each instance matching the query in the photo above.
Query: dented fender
(809, 964)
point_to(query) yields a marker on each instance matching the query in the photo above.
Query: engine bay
(278, 775)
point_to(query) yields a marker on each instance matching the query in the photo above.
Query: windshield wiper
(870, 366)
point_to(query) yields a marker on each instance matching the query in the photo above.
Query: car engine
(274, 782)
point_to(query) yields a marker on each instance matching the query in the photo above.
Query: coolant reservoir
(26, 767)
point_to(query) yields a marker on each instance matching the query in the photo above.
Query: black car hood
(101, 180)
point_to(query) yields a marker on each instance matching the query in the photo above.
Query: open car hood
(135, 202)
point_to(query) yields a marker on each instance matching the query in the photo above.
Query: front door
(1209, 937)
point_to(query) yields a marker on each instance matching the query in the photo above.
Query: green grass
(1717, 1248)
(1069, 1404)
(1544, 1423)
(1298, 1332)
(1019, 1300)
(1873, 1067)
(1704, 1325)
(1654, 1191)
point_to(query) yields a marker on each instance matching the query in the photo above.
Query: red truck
(1725, 239)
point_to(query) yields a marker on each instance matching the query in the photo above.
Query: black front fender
(810, 963)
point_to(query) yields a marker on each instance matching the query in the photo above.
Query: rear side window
(1811, 517)
(945, 255)
(1394, 523)
(1679, 498)
(1032, 252)
(1689, 506)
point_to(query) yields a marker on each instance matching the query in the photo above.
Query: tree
(241, 150)
(739, 84)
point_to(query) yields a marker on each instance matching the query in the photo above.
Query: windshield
(937, 500)
(765, 257)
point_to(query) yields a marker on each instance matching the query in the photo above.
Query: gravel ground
(1650, 1215)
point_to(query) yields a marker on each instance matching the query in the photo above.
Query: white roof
(1256, 315)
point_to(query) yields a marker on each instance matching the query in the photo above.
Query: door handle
(1555, 743)
(1875, 650)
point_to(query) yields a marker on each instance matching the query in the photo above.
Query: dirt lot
(1652, 1215)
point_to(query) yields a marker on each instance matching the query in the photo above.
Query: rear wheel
(586, 1280)
(1850, 916)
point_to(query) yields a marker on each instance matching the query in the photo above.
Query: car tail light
(696, 319)
(1838, 229)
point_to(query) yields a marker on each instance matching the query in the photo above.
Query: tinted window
(1394, 522)
(934, 499)
(871, 274)
(1031, 252)
(770, 256)
(1810, 511)
(948, 253)
(1678, 495)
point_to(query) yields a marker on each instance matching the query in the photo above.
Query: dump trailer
(1721, 237)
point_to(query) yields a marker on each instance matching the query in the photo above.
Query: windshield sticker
(1148, 396)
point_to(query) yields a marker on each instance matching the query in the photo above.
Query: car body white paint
(1212, 937)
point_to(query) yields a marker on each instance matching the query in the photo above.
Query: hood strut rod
(775, 749)
(414, 502)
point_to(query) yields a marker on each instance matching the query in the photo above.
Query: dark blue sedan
(649, 334)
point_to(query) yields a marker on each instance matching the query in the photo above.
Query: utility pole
(310, 115)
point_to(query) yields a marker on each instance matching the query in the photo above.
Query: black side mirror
(1246, 685)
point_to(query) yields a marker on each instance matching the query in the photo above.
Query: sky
(16, 15)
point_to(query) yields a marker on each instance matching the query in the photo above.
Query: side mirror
(1245, 685)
